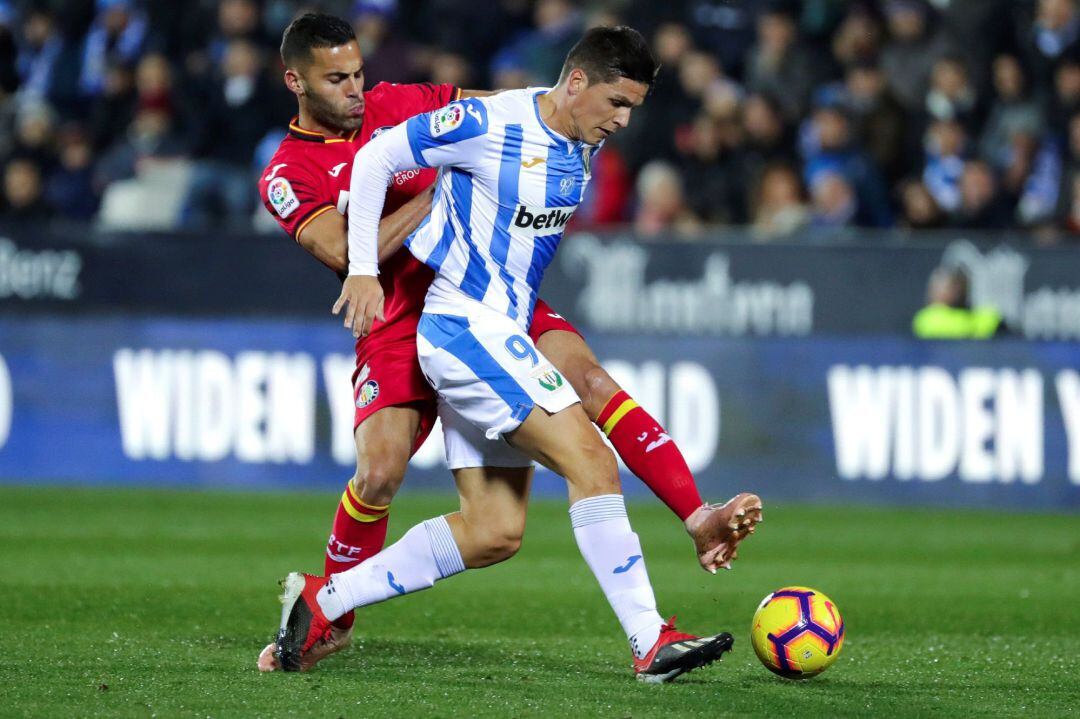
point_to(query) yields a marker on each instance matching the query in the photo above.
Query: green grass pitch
(155, 603)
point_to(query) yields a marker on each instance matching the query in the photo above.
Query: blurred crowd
(775, 114)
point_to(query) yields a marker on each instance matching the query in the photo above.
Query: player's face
(332, 86)
(602, 109)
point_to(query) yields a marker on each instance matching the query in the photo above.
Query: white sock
(426, 554)
(613, 553)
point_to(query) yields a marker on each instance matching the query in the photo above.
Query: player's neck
(305, 121)
(555, 113)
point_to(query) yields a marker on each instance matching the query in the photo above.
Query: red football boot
(676, 653)
(302, 620)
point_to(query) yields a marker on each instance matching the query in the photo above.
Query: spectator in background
(679, 94)
(9, 78)
(858, 39)
(22, 198)
(1071, 217)
(1052, 38)
(236, 120)
(920, 212)
(1070, 173)
(41, 51)
(724, 28)
(118, 34)
(833, 201)
(661, 203)
(779, 66)
(35, 127)
(151, 136)
(981, 204)
(881, 125)
(767, 139)
(451, 69)
(948, 314)
(541, 50)
(388, 55)
(779, 203)
(1013, 113)
(1066, 98)
(945, 145)
(114, 109)
(829, 149)
(952, 95)
(712, 172)
(70, 190)
(913, 49)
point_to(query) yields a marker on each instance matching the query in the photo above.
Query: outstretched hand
(362, 298)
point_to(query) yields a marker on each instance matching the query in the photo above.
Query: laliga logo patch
(367, 394)
(380, 130)
(281, 196)
(447, 119)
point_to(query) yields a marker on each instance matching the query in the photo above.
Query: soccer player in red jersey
(306, 188)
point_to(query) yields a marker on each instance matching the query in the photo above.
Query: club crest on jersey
(281, 196)
(369, 391)
(566, 185)
(548, 377)
(447, 119)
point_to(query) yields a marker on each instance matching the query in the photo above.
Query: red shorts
(388, 372)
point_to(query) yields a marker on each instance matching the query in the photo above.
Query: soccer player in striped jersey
(515, 166)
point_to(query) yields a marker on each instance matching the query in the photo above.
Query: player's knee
(600, 471)
(499, 543)
(378, 481)
(599, 388)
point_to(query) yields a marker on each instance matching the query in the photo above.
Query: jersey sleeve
(416, 98)
(450, 135)
(292, 197)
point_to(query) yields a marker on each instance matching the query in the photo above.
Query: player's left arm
(444, 137)
(476, 93)
(327, 236)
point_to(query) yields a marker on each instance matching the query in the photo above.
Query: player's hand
(362, 298)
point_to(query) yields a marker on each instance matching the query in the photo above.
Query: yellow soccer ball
(797, 632)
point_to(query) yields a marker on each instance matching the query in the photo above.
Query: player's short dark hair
(608, 53)
(310, 31)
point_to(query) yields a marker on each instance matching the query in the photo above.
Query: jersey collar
(310, 136)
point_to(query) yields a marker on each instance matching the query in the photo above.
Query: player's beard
(327, 114)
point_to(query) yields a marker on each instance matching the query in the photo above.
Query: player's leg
(647, 449)
(567, 443)
(384, 443)
(495, 378)
(487, 530)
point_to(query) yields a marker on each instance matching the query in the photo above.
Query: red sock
(359, 532)
(650, 453)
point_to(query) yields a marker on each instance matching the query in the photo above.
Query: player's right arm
(449, 136)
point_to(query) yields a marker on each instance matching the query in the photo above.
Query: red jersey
(310, 173)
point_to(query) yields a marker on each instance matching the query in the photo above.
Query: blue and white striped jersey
(507, 187)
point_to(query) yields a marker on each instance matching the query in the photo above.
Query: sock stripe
(444, 548)
(360, 510)
(611, 405)
(621, 411)
(592, 510)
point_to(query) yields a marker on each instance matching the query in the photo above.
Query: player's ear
(292, 81)
(577, 82)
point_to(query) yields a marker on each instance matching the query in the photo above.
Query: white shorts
(488, 371)
(466, 445)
